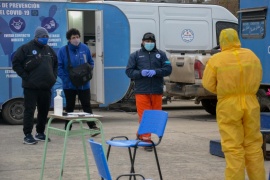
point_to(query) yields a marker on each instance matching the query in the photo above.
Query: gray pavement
(183, 152)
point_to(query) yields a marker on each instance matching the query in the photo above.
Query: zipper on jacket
(150, 69)
(79, 60)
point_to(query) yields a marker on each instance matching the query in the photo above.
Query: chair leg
(130, 155)
(108, 152)
(159, 171)
(130, 158)
(132, 169)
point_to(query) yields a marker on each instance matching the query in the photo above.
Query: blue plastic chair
(101, 162)
(154, 122)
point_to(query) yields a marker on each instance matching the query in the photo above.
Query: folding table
(79, 118)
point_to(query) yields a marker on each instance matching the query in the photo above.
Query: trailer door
(99, 66)
(80, 19)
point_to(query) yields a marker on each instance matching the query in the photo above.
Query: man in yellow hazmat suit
(234, 75)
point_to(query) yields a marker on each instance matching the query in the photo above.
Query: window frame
(220, 25)
(253, 18)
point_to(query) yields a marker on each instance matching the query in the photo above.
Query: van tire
(12, 112)
(209, 105)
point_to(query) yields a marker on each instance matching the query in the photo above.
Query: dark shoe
(28, 139)
(41, 137)
(148, 148)
(96, 131)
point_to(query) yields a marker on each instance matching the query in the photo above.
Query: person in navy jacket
(147, 67)
(36, 63)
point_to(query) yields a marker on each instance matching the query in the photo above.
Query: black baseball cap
(149, 36)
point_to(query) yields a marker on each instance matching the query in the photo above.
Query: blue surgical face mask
(149, 46)
(43, 41)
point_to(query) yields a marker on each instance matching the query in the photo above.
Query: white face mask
(75, 41)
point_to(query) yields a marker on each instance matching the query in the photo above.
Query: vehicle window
(253, 23)
(220, 25)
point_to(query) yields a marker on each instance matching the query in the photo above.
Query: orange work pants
(147, 102)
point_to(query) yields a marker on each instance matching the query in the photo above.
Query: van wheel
(12, 111)
(209, 105)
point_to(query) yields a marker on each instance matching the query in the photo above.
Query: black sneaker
(95, 133)
(41, 137)
(148, 148)
(28, 139)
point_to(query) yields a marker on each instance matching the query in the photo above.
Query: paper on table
(82, 114)
(79, 113)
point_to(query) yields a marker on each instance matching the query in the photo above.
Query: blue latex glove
(151, 73)
(144, 72)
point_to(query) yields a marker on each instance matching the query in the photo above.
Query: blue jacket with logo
(78, 55)
(150, 60)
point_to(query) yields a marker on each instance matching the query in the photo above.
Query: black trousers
(84, 97)
(36, 98)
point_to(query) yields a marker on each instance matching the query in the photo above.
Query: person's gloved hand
(151, 73)
(144, 72)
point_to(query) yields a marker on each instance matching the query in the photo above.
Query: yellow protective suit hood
(228, 39)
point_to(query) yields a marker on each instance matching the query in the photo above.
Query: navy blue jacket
(45, 74)
(153, 60)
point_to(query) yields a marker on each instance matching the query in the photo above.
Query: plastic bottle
(58, 103)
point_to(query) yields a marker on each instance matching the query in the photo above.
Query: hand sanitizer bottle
(58, 103)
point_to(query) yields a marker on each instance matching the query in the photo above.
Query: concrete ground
(183, 152)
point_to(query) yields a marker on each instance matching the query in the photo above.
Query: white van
(187, 33)
(178, 27)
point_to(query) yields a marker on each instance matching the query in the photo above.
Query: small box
(215, 148)
(265, 130)
(265, 120)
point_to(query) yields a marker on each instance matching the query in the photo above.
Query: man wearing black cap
(147, 67)
(36, 63)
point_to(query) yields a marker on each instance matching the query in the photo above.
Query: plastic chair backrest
(100, 159)
(153, 121)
